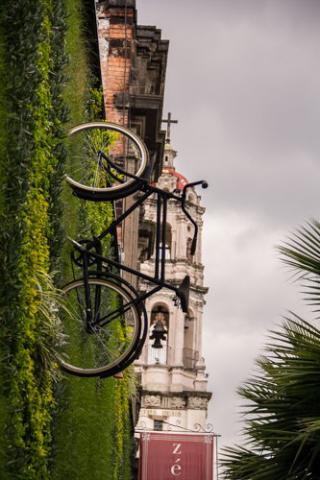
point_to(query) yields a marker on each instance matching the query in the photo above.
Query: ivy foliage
(31, 115)
(49, 429)
(92, 427)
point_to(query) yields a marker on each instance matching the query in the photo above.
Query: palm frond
(283, 409)
(302, 254)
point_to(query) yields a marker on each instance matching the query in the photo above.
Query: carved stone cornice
(151, 401)
(175, 401)
(198, 403)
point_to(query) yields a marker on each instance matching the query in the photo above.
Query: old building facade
(133, 60)
(173, 379)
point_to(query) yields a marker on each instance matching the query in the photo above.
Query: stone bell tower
(171, 371)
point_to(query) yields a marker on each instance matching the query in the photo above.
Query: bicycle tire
(86, 185)
(136, 352)
(106, 350)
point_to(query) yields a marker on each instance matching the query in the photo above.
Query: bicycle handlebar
(203, 184)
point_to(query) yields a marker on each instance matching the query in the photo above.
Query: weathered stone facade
(173, 379)
(133, 62)
(133, 65)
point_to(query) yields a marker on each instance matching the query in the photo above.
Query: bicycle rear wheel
(102, 348)
(90, 175)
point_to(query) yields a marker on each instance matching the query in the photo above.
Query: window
(188, 253)
(168, 242)
(158, 425)
(146, 240)
(189, 353)
(167, 252)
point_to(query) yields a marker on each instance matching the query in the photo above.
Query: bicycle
(104, 316)
(96, 180)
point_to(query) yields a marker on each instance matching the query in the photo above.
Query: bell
(158, 334)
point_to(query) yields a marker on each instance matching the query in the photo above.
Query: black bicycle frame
(162, 199)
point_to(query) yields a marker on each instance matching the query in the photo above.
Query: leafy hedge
(31, 115)
(93, 437)
(91, 428)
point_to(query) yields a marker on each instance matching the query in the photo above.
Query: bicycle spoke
(121, 310)
(85, 176)
(108, 353)
(96, 316)
(96, 174)
(81, 308)
(106, 344)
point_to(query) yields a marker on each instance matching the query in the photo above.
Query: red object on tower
(169, 456)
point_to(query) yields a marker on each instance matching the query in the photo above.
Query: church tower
(172, 373)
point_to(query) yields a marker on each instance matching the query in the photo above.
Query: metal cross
(169, 121)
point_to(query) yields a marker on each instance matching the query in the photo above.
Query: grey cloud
(243, 79)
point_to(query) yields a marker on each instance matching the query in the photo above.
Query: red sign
(170, 456)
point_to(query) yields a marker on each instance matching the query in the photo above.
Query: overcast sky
(243, 79)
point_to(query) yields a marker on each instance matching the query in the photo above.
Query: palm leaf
(282, 410)
(302, 254)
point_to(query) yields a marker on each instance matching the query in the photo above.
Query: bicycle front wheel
(91, 175)
(101, 325)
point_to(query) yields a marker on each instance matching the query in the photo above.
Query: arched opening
(188, 251)
(146, 240)
(159, 322)
(191, 198)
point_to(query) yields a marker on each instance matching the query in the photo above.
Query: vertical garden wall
(31, 116)
(52, 426)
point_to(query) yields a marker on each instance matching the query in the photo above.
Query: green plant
(283, 410)
(50, 329)
(89, 421)
(30, 119)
